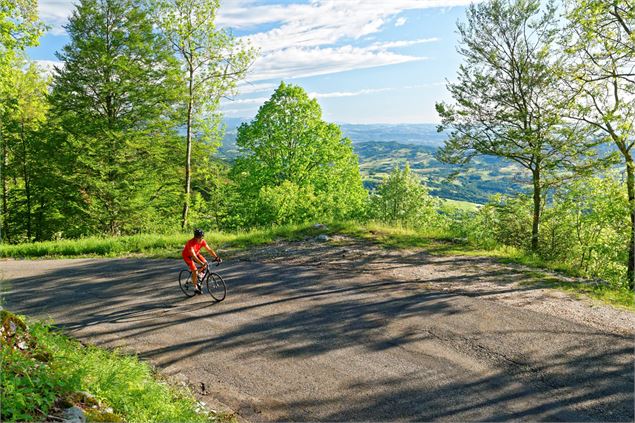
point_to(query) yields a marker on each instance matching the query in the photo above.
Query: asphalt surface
(313, 343)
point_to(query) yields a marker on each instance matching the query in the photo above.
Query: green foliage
(112, 102)
(212, 61)
(401, 199)
(582, 228)
(19, 28)
(155, 245)
(28, 387)
(294, 167)
(505, 220)
(41, 366)
(21, 132)
(599, 43)
(506, 99)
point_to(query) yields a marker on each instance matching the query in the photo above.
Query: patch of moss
(95, 415)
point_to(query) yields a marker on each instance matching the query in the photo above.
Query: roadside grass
(621, 298)
(153, 245)
(44, 372)
(441, 242)
(435, 241)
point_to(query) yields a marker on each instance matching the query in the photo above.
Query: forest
(124, 137)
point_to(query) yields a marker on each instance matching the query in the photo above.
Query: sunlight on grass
(61, 368)
(437, 241)
(154, 245)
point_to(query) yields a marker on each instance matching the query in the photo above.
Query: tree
(113, 99)
(19, 28)
(600, 73)
(20, 132)
(212, 62)
(401, 198)
(293, 159)
(504, 95)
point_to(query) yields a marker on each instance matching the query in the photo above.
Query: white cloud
(337, 94)
(403, 43)
(248, 87)
(248, 14)
(401, 21)
(308, 39)
(255, 100)
(47, 67)
(251, 13)
(246, 104)
(318, 38)
(321, 22)
(240, 112)
(56, 13)
(303, 62)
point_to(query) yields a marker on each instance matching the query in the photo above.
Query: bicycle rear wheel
(185, 282)
(216, 286)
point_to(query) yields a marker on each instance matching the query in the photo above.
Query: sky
(366, 61)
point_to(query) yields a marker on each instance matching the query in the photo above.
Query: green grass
(460, 205)
(440, 242)
(43, 371)
(617, 297)
(153, 245)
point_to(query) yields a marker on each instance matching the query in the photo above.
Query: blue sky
(366, 61)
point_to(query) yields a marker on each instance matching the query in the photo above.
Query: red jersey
(193, 243)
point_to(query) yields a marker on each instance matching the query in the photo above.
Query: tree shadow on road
(564, 371)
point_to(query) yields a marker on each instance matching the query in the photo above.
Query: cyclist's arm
(212, 252)
(195, 257)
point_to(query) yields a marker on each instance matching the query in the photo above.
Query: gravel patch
(473, 276)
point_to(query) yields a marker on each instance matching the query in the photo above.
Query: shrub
(403, 200)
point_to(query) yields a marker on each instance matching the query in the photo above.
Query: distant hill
(416, 134)
(484, 177)
(381, 146)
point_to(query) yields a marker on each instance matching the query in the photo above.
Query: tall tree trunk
(39, 223)
(27, 183)
(537, 203)
(630, 184)
(188, 160)
(3, 174)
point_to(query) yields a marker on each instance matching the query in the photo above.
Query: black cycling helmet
(198, 233)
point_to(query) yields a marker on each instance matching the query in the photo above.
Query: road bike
(213, 281)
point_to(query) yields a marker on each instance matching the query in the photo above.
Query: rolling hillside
(382, 146)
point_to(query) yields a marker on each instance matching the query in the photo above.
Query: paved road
(299, 343)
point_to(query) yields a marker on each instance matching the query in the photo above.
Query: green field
(484, 177)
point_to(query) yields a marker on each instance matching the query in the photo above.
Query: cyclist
(191, 253)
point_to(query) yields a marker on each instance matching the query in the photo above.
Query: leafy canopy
(402, 199)
(288, 144)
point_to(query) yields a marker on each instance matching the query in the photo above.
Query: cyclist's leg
(192, 266)
(201, 258)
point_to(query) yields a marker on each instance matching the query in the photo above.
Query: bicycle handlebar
(206, 265)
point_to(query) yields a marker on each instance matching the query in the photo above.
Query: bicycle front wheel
(185, 282)
(216, 286)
